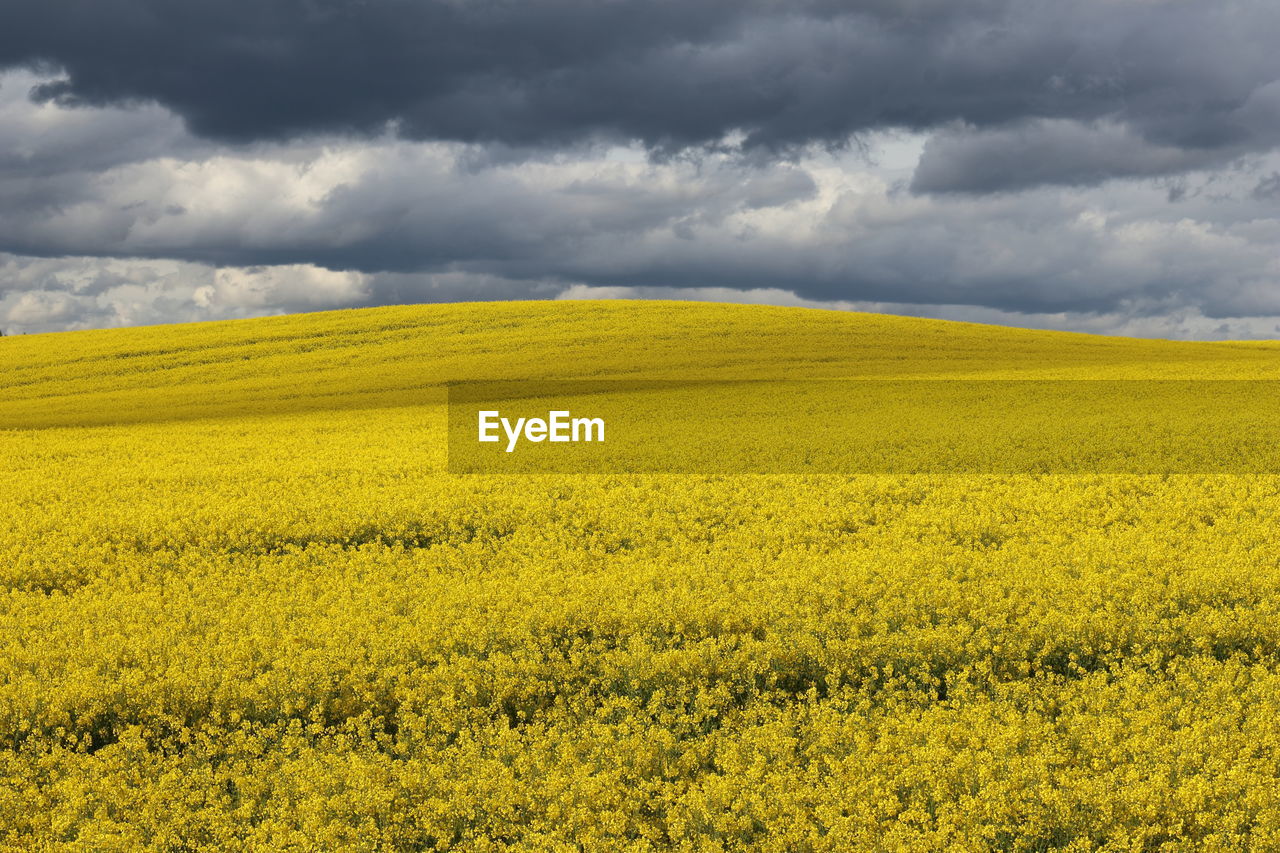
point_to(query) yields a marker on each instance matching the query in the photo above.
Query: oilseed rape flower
(247, 607)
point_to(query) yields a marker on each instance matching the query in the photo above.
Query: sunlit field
(247, 608)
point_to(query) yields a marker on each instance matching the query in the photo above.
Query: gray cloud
(44, 148)
(1101, 164)
(53, 294)
(1175, 74)
(292, 227)
(1268, 188)
(1051, 151)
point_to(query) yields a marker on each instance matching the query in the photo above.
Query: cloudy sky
(1102, 165)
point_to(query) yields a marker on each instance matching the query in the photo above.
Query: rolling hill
(384, 356)
(245, 607)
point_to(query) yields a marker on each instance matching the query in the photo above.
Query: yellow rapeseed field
(246, 607)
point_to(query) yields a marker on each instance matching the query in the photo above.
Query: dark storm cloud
(1049, 152)
(41, 145)
(1026, 158)
(1268, 188)
(1181, 76)
(403, 209)
(347, 222)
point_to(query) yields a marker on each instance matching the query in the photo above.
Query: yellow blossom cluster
(244, 607)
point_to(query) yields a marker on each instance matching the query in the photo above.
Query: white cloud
(158, 227)
(297, 286)
(41, 294)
